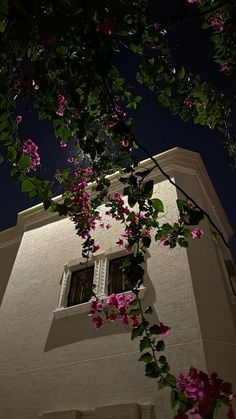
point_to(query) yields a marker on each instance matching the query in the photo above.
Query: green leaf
(180, 73)
(24, 162)
(144, 343)
(133, 302)
(160, 346)
(130, 216)
(27, 186)
(11, 153)
(152, 370)
(137, 331)
(162, 383)
(131, 201)
(164, 100)
(182, 242)
(162, 359)
(157, 204)
(148, 310)
(134, 312)
(171, 380)
(195, 217)
(174, 398)
(155, 330)
(146, 241)
(146, 357)
(147, 188)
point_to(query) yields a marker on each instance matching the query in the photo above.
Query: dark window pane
(117, 281)
(81, 286)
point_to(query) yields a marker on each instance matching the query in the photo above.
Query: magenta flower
(203, 390)
(120, 242)
(63, 144)
(197, 234)
(112, 317)
(61, 105)
(18, 119)
(188, 102)
(29, 148)
(95, 248)
(97, 321)
(165, 330)
(112, 300)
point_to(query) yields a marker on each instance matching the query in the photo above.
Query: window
(117, 281)
(81, 286)
(103, 276)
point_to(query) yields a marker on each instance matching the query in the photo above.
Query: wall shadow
(79, 327)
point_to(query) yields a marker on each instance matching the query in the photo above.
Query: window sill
(61, 312)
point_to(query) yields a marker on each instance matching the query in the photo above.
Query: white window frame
(100, 261)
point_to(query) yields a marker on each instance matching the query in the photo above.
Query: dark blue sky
(155, 128)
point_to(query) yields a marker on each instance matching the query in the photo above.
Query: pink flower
(112, 300)
(98, 321)
(135, 321)
(95, 248)
(124, 319)
(62, 144)
(120, 242)
(130, 298)
(60, 112)
(61, 105)
(164, 241)
(197, 234)
(29, 148)
(96, 305)
(165, 330)
(217, 21)
(188, 102)
(18, 119)
(112, 317)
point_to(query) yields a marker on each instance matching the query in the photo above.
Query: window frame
(100, 261)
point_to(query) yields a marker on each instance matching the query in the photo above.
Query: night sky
(155, 128)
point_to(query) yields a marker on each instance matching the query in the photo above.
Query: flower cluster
(114, 308)
(203, 391)
(61, 105)
(217, 21)
(83, 215)
(29, 148)
(118, 208)
(136, 231)
(188, 102)
(126, 144)
(227, 65)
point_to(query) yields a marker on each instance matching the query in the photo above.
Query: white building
(56, 365)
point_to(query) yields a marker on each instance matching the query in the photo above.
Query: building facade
(56, 365)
